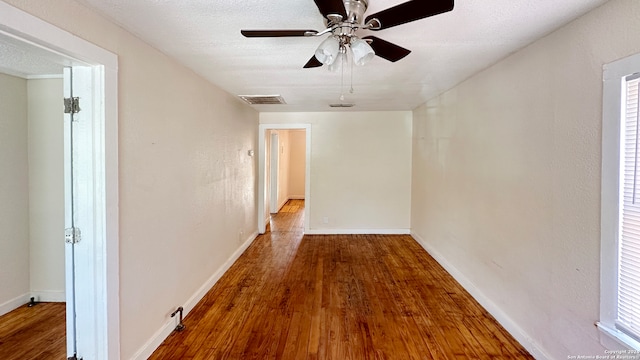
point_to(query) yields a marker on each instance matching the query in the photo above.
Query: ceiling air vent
(263, 99)
(342, 105)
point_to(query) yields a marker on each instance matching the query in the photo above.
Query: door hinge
(72, 105)
(72, 235)
(74, 357)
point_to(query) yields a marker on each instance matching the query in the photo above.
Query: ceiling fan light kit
(333, 48)
(339, 61)
(328, 51)
(343, 19)
(362, 52)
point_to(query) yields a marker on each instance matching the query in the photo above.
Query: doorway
(32, 259)
(91, 243)
(284, 164)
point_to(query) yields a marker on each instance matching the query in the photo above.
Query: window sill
(614, 336)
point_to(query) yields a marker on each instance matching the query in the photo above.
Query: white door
(79, 194)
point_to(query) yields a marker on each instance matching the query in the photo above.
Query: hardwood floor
(295, 296)
(289, 219)
(37, 332)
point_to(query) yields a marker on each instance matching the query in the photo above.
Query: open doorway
(49, 57)
(32, 255)
(284, 170)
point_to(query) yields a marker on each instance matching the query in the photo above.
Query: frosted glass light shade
(328, 51)
(339, 62)
(362, 52)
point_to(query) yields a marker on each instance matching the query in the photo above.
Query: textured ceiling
(24, 60)
(205, 36)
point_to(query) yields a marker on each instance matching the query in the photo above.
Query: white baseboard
(39, 296)
(357, 232)
(166, 330)
(511, 326)
(49, 296)
(282, 204)
(10, 305)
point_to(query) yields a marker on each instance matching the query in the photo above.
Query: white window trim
(613, 92)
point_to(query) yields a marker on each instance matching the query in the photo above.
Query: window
(629, 242)
(620, 253)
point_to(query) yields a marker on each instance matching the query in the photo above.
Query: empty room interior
(321, 179)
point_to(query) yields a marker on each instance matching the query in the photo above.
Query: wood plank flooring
(37, 332)
(289, 219)
(295, 296)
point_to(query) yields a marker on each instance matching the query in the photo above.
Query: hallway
(295, 296)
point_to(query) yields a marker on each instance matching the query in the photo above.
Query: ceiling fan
(344, 18)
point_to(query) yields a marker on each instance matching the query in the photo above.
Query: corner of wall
(14, 303)
(156, 340)
(517, 332)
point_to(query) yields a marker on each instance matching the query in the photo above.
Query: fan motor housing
(355, 10)
(345, 29)
(355, 13)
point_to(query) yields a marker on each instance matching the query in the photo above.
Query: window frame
(615, 75)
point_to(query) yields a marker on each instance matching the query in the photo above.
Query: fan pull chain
(351, 90)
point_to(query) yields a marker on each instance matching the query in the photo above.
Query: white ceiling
(25, 60)
(446, 49)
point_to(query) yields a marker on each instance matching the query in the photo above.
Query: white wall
(46, 189)
(506, 180)
(360, 169)
(283, 167)
(297, 160)
(267, 175)
(14, 194)
(32, 258)
(187, 186)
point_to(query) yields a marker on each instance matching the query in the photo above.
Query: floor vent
(263, 99)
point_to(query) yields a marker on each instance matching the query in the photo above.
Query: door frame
(104, 262)
(262, 208)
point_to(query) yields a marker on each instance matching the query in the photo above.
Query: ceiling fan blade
(277, 33)
(410, 11)
(313, 62)
(329, 7)
(387, 50)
